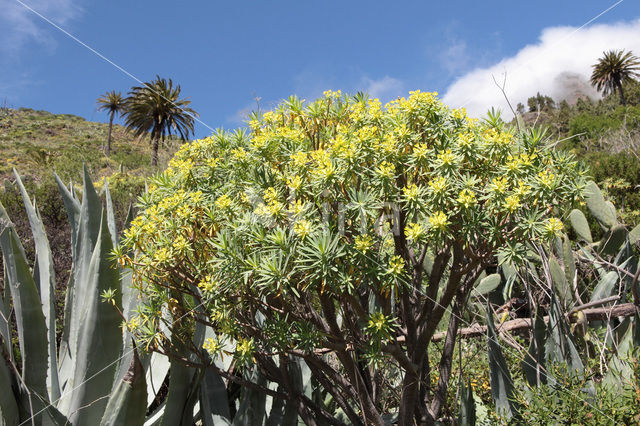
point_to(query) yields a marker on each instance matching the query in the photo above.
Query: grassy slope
(36, 142)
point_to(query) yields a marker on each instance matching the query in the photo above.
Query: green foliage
(316, 225)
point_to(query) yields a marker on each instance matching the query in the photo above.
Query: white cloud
(385, 88)
(21, 25)
(558, 65)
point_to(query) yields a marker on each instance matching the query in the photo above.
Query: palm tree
(114, 103)
(613, 69)
(155, 108)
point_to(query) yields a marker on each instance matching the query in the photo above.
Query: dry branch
(590, 314)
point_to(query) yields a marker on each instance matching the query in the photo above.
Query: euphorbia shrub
(341, 232)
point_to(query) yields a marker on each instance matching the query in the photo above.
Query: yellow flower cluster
(439, 221)
(207, 284)
(302, 228)
(467, 198)
(363, 243)
(414, 231)
(396, 265)
(512, 203)
(212, 346)
(411, 192)
(438, 185)
(553, 227)
(546, 179)
(223, 202)
(386, 170)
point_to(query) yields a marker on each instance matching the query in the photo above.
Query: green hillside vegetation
(39, 141)
(604, 134)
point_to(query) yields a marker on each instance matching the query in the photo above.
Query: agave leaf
(5, 312)
(562, 287)
(251, 410)
(467, 405)
(46, 279)
(178, 409)
(127, 404)
(30, 321)
(214, 403)
(559, 347)
(501, 384)
(620, 369)
(156, 373)
(598, 206)
(569, 260)
(111, 220)
(72, 206)
(88, 228)
(534, 360)
(100, 336)
(487, 284)
(9, 414)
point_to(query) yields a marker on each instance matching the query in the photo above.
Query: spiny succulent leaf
(502, 389)
(44, 275)
(100, 335)
(30, 321)
(128, 403)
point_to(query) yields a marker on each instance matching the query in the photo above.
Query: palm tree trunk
(109, 134)
(623, 101)
(154, 156)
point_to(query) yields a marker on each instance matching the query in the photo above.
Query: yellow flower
(447, 157)
(414, 231)
(183, 212)
(396, 265)
(162, 255)
(553, 227)
(363, 243)
(467, 198)
(421, 151)
(213, 162)
(411, 192)
(546, 179)
(297, 207)
(245, 347)
(512, 203)
(499, 185)
(239, 154)
(299, 159)
(438, 185)
(180, 243)
(207, 284)
(386, 170)
(302, 228)
(439, 221)
(212, 346)
(223, 202)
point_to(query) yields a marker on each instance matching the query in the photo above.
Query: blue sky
(225, 54)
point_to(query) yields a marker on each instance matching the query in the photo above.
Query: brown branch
(591, 314)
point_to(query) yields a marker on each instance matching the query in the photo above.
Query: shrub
(339, 233)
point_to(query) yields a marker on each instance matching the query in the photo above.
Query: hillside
(35, 142)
